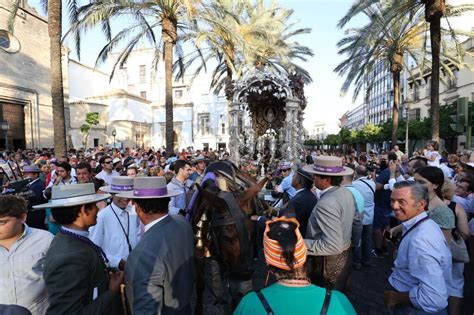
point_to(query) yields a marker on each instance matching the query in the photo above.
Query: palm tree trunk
(434, 11)
(169, 38)
(54, 30)
(396, 99)
(435, 35)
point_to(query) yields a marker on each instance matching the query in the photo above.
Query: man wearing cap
(160, 270)
(200, 166)
(329, 231)
(285, 185)
(107, 170)
(35, 219)
(75, 269)
(22, 252)
(117, 230)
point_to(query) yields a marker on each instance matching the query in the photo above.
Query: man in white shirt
(107, 170)
(117, 230)
(22, 252)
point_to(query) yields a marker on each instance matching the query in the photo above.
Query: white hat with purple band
(120, 184)
(328, 166)
(149, 188)
(72, 195)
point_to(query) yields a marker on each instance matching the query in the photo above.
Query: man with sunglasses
(107, 170)
(285, 185)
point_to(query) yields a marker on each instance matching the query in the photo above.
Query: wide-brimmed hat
(120, 184)
(304, 174)
(199, 159)
(72, 195)
(116, 160)
(30, 169)
(329, 166)
(149, 188)
(285, 165)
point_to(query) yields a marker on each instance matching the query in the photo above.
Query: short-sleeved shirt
(443, 216)
(382, 196)
(294, 300)
(285, 185)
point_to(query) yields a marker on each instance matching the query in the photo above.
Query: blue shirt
(423, 265)
(177, 202)
(285, 185)
(368, 195)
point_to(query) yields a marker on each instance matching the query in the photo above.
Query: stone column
(234, 130)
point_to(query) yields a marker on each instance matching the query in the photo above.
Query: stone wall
(25, 75)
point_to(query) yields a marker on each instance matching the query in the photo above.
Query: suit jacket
(36, 218)
(76, 279)
(159, 274)
(300, 207)
(330, 224)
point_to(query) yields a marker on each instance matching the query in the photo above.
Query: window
(142, 73)
(96, 142)
(4, 39)
(178, 94)
(223, 128)
(204, 124)
(143, 94)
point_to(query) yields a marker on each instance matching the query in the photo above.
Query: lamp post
(114, 133)
(5, 127)
(407, 109)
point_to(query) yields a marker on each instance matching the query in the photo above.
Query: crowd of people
(103, 231)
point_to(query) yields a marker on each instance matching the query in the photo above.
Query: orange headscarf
(273, 251)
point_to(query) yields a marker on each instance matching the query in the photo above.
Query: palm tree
(239, 33)
(375, 42)
(167, 16)
(433, 10)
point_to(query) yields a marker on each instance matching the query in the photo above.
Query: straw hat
(149, 188)
(30, 169)
(72, 195)
(119, 185)
(329, 166)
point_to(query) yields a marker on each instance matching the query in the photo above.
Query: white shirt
(150, 225)
(21, 271)
(109, 234)
(107, 177)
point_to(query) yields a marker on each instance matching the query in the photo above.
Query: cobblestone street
(369, 284)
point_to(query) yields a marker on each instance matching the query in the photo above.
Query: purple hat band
(121, 187)
(328, 169)
(146, 192)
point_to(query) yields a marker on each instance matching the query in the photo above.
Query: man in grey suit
(329, 231)
(159, 273)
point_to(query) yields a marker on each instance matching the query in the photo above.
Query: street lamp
(114, 133)
(5, 127)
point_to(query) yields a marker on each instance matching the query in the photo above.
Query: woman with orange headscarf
(293, 293)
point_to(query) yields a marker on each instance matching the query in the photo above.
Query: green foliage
(92, 119)
(345, 136)
(332, 140)
(371, 132)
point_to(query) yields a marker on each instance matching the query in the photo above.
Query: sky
(325, 104)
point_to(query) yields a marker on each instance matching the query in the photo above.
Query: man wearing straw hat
(159, 274)
(35, 219)
(76, 270)
(117, 230)
(328, 235)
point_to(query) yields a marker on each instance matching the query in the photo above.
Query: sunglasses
(108, 162)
